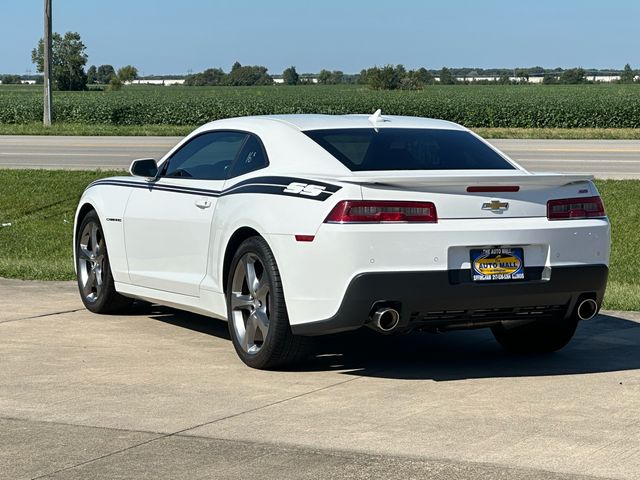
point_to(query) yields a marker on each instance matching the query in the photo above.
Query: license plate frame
(497, 264)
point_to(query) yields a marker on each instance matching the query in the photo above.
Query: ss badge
(304, 189)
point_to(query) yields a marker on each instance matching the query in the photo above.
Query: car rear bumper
(430, 299)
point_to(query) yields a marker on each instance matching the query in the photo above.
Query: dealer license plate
(495, 264)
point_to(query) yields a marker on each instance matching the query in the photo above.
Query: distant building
(278, 80)
(537, 79)
(602, 78)
(165, 82)
(494, 78)
(25, 82)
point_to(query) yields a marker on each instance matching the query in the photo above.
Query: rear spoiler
(420, 179)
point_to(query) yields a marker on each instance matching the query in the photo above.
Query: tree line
(69, 59)
(238, 76)
(397, 77)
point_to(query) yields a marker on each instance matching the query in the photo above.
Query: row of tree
(105, 74)
(392, 77)
(11, 79)
(579, 75)
(396, 77)
(238, 76)
(69, 59)
(244, 75)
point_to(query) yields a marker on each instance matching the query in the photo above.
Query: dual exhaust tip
(387, 319)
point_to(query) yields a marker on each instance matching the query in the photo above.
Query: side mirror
(144, 167)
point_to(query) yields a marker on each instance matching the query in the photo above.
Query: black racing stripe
(155, 186)
(284, 181)
(273, 185)
(117, 183)
(273, 190)
(164, 188)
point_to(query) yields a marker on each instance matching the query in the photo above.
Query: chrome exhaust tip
(385, 319)
(587, 309)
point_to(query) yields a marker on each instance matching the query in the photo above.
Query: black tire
(95, 282)
(543, 336)
(251, 309)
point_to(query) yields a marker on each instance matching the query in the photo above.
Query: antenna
(377, 118)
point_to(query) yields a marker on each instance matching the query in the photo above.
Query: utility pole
(46, 119)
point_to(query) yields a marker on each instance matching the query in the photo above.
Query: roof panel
(305, 122)
(318, 122)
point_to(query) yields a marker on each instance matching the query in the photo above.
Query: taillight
(575, 208)
(365, 211)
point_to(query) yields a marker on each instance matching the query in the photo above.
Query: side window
(207, 157)
(251, 157)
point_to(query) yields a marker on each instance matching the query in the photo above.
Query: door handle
(203, 203)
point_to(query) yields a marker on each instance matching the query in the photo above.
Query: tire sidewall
(108, 286)
(277, 310)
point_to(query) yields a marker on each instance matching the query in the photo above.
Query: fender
(109, 203)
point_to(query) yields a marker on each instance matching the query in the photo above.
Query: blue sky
(164, 37)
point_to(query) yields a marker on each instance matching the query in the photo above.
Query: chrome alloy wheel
(91, 259)
(250, 303)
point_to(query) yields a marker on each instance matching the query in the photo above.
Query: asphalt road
(603, 158)
(161, 394)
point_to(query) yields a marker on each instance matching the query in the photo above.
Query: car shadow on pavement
(180, 318)
(604, 344)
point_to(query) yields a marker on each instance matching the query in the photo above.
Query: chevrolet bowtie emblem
(496, 206)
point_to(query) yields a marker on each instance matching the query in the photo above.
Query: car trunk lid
(459, 195)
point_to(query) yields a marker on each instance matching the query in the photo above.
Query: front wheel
(542, 336)
(95, 282)
(258, 321)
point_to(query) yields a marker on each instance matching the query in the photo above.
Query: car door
(167, 222)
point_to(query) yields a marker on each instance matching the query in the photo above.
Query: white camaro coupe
(292, 226)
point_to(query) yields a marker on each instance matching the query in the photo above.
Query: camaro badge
(496, 206)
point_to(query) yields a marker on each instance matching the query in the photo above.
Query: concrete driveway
(160, 394)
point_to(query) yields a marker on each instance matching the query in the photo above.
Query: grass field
(40, 205)
(478, 106)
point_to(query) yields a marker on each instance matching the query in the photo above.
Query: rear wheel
(542, 336)
(95, 281)
(258, 321)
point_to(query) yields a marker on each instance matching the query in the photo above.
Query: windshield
(364, 149)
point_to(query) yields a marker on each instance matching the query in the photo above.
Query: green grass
(559, 133)
(40, 206)
(622, 201)
(182, 130)
(81, 129)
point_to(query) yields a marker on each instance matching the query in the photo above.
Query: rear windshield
(364, 149)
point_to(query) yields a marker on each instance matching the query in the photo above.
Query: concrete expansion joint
(50, 314)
